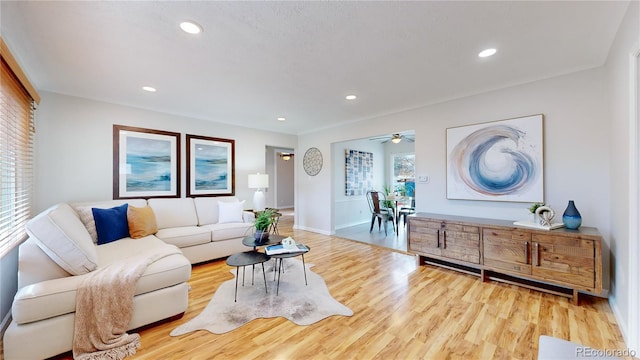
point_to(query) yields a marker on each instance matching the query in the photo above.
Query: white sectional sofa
(62, 249)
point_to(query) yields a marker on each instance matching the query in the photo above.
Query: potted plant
(264, 219)
(387, 192)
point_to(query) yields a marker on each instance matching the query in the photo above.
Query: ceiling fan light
(396, 140)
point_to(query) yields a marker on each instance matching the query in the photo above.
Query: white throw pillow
(61, 235)
(230, 212)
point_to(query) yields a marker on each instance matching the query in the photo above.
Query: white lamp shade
(258, 181)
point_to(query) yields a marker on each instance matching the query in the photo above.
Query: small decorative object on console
(545, 213)
(571, 217)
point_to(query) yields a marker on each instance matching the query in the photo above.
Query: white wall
(624, 304)
(74, 147)
(576, 139)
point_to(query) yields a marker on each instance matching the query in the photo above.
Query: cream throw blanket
(104, 305)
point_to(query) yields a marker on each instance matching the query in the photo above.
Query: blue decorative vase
(571, 217)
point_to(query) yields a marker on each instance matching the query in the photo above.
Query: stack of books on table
(281, 249)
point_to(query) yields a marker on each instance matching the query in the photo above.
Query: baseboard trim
(323, 232)
(622, 323)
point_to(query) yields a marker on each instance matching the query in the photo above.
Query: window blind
(16, 158)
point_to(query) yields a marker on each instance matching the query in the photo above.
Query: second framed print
(210, 166)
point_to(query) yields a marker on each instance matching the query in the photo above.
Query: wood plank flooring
(401, 311)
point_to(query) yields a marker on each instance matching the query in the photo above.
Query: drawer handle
(437, 238)
(444, 239)
(537, 254)
(526, 252)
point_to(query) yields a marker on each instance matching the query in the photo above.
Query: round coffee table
(273, 239)
(244, 259)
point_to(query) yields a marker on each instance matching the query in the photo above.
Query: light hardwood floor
(401, 311)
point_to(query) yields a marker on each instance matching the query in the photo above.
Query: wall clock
(312, 161)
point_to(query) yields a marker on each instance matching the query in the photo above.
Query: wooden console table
(561, 261)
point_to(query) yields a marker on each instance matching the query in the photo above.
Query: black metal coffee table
(244, 259)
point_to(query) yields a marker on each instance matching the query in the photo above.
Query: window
(17, 107)
(404, 173)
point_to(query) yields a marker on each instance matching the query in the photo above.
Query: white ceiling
(256, 61)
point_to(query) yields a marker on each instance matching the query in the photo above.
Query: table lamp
(259, 182)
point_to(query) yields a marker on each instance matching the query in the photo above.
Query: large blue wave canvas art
(496, 161)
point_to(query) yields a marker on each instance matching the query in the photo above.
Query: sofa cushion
(142, 221)
(230, 212)
(185, 236)
(86, 214)
(57, 297)
(172, 213)
(208, 209)
(228, 231)
(111, 224)
(61, 235)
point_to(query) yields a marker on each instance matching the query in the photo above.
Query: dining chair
(377, 204)
(403, 212)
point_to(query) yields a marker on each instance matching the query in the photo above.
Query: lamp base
(258, 201)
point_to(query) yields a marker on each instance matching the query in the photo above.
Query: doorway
(634, 201)
(280, 167)
(352, 216)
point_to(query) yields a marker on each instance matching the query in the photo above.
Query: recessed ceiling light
(281, 119)
(487, 53)
(149, 88)
(190, 27)
(350, 97)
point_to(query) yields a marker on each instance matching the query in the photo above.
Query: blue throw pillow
(111, 224)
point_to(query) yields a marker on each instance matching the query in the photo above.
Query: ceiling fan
(394, 138)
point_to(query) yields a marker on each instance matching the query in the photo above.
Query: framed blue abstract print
(146, 163)
(210, 166)
(496, 161)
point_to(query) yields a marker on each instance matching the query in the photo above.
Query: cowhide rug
(300, 303)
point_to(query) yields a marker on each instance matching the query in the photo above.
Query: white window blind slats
(16, 159)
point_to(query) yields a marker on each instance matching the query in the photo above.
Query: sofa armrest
(248, 216)
(46, 299)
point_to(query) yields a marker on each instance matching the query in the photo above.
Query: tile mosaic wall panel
(358, 172)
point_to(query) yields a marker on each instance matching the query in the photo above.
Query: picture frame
(210, 166)
(146, 163)
(497, 161)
